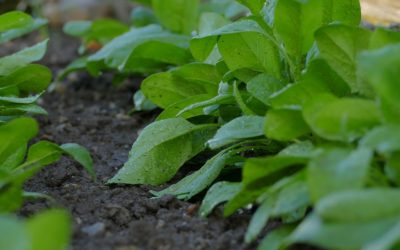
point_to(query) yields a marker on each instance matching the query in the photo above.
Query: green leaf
(81, 155)
(56, 224)
(15, 136)
(340, 235)
(174, 109)
(43, 153)
(165, 89)
(263, 86)
(337, 169)
(254, 5)
(161, 149)
(13, 234)
(202, 45)
(117, 52)
(259, 219)
(285, 124)
(20, 59)
(199, 72)
(199, 180)
(31, 78)
(259, 174)
(360, 205)
(296, 21)
(20, 100)
(379, 70)
(77, 28)
(275, 239)
(343, 119)
(151, 55)
(177, 15)
(18, 32)
(339, 46)
(142, 103)
(13, 20)
(384, 139)
(142, 16)
(240, 128)
(250, 50)
(220, 192)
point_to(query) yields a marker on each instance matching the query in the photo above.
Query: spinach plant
(21, 85)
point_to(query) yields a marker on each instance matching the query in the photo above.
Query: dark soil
(92, 112)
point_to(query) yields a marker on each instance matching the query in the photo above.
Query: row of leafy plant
(299, 105)
(22, 83)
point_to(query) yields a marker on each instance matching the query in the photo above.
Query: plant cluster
(21, 85)
(297, 102)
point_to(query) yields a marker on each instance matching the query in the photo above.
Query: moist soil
(93, 113)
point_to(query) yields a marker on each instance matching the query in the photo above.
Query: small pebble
(94, 229)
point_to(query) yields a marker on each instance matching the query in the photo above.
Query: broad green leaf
(199, 180)
(285, 124)
(320, 76)
(238, 129)
(360, 205)
(177, 15)
(250, 50)
(220, 192)
(379, 70)
(31, 78)
(199, 72)
(151, 55)
(43, 153)
(20, 59)
(13, 234)
(339, 46)
(26, 29)
(13, 20)
(202, 45)
(337, 169)
(384, 139)
(161, 149)
(49, 230)
(165, 89)
(345, 119)
(14, 136)
(117, 52)
(340, 235)
(81, 155)
(263, 86)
